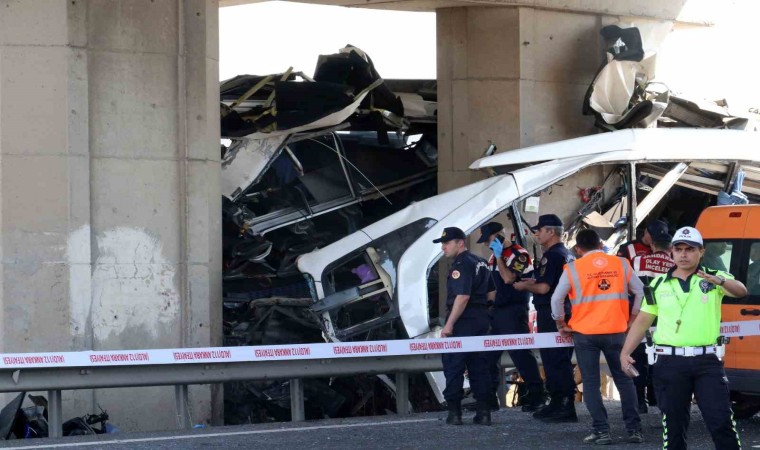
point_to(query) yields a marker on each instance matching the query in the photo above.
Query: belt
(685, 351)
(476, 305)
(509, 305)
(469, 305)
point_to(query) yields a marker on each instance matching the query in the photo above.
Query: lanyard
(678, 299)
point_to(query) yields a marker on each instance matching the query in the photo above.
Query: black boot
(535, 399)
(455, 413)
(547, 410)
(482, 414)
(565, 412)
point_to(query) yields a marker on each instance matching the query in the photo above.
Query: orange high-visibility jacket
(599, 293)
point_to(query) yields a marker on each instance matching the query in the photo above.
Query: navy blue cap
(659, 231)
(488, 229)
(661, 236)
(547, 220)
(449, 234)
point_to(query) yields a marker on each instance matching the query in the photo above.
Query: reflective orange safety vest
(599, 293)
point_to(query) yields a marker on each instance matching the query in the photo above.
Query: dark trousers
(642, 366)
(512, 319)
(556, 361)
(676, 378)
(643, 383)
(473, 322)
(587, 350)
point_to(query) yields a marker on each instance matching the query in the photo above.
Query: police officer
(468, 286)
(508, 264)
(632, 249)
(598, 286)
(647, 267)
(557, 365)
(654, 264)
(687, 303)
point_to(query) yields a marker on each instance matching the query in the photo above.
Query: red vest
(632, 249)
(653, 264)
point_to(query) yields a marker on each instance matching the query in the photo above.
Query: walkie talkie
(649, 295)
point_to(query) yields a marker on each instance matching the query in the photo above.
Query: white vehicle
(373, 284)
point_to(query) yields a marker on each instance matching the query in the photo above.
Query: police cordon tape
(311, 351)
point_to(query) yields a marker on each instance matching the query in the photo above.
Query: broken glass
(360, 287)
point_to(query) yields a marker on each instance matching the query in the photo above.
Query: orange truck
(732, 238)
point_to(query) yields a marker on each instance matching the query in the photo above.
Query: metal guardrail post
(297, 411)
(402, 393)
(181, 400)
(55, 414)
(501, 389)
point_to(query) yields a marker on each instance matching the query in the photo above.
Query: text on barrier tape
(312, 351)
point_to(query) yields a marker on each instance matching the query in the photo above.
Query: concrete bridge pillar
(515, 75)
(511, 76)
(110, 224)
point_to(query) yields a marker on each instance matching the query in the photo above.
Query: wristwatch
(722, 280)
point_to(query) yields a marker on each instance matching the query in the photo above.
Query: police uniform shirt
(695, 302)
(469, 275)
(549, 271)
(518, 260)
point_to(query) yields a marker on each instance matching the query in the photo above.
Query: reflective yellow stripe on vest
(576, 283)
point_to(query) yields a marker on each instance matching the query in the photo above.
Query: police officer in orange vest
(598, 286)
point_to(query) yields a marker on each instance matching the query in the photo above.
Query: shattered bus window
(360, 287)
(309, 173)
(305, 162)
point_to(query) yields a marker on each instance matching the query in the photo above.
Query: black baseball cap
(661, 236)
(658, 228)
(547, 220)
(489, 229)
(449, 234)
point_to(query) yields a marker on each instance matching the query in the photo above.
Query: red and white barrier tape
(311, 351)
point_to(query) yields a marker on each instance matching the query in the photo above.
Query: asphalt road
(511, 429)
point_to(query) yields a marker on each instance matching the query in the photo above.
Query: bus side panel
(752, 228)
(740, 224)
(728, 222)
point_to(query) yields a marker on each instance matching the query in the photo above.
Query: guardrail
(55, 380)
(56, 372)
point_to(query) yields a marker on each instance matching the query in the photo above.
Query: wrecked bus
(380, 282)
